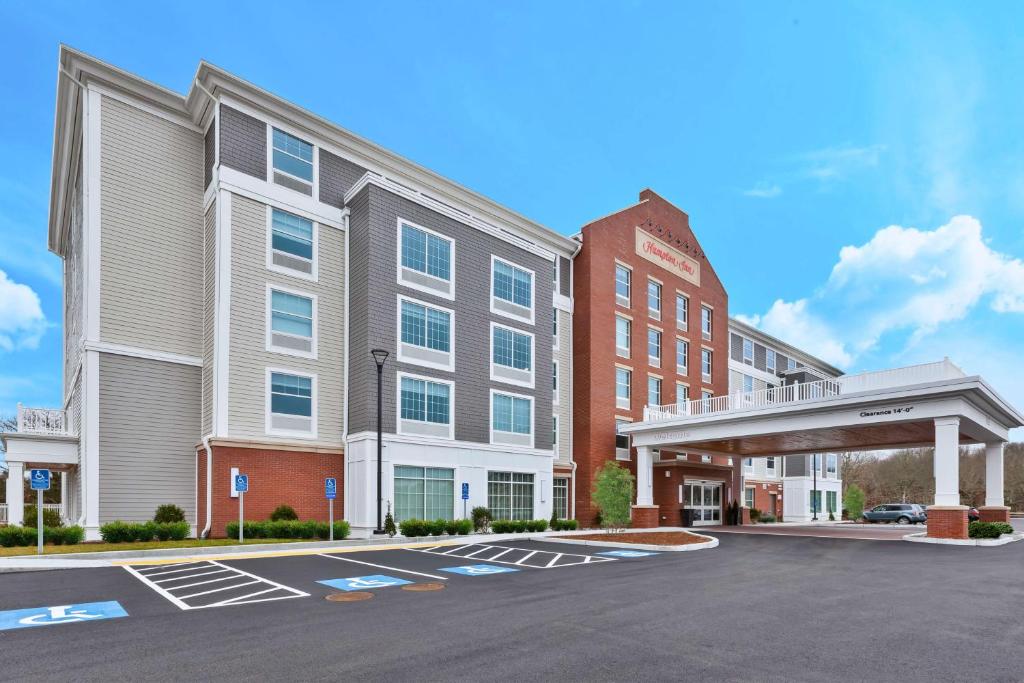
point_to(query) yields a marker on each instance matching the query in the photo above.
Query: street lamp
(379, 356)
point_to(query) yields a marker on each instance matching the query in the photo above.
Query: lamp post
(379, 356)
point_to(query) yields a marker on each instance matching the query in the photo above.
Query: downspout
(572, 391)
(209, 487)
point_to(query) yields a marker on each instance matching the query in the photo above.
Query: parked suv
(902, 513)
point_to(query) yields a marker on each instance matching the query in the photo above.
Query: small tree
(613, 493)
(283, 513)
(853, 501)
(481, 518)
(389, 523)
(169, 513)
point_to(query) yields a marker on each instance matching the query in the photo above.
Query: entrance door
(705, 499)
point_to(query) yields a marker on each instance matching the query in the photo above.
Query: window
(815, 501)
(560, 497)
(748, 498)
(831, 465)
(623, 381)
(554, 431)
(291, 327)
(705, 364)
(292, 243)
(705, 458)
(512, 414)
(682, 393)
(705, 322)
(748, 383)
(293, 162)
(769, 360)
(654, 299)
(748, 465)
(748, 352)
(554, 325)
(816, 463)
(682, 311)
(654, 347)
(769, 465)
(621, 441)
(682, 356)
(706, 395)
(510, 495)
(791, 364)
(426, 253)
(512, 285)
(426, 327)
(554, 378)
(291, 404)
(512, 349)
(653, 391)
(831, 501)
(425, 401)
(623, 284)
(623, 329)
(424, 493)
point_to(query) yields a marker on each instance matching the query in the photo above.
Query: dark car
(901, 513)
(973, 515)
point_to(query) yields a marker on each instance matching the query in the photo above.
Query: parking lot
(755, 608)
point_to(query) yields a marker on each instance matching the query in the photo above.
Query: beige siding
(74, 285)
(151, 248)
(249, 358)
(209, 319)
(564, 407)
(149, 426)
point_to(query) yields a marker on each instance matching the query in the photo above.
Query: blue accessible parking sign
(331, 488)
(478, 570)
(361, 583)
(40, 480)
(242, 483)
(61, 614)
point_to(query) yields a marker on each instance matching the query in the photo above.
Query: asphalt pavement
(756, 608)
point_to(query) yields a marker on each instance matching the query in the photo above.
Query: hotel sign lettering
(669, 258)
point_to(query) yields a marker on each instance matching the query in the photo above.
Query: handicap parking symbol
(478, 570)
(60, 614)
(626, 553)
(362, 583)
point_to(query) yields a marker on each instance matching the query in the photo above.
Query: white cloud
(763, 191)
(22, 322)
(834, 163)
(903, 280)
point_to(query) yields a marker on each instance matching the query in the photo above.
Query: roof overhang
(41, 450)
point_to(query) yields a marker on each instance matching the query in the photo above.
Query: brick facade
(276, 477)
(605, 241)
(947, 522)
(668, 477)
(763, 492)
(995, 513)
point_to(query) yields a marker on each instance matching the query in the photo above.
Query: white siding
(209, 319)
(564, 407)
(74, 284)
(151, 272)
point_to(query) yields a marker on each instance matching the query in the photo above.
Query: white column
(15, 493)
(644, 475)
(65, 513)
(947, 461)
(994, 474)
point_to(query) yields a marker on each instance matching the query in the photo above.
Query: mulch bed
(646, 538)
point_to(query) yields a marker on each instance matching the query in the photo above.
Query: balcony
(42, 421)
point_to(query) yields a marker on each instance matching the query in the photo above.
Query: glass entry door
(705, 499)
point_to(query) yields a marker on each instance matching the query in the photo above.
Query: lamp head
(379, 356)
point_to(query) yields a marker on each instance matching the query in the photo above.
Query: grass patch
(147, 545)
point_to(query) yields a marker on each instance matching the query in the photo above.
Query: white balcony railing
(30, 522)
(47, 421)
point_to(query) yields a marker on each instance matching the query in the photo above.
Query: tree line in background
(906, 476)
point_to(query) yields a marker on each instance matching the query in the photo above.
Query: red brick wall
(947, 522)
(594, 357)
(762, 498)
(666, 488)
(276, 477)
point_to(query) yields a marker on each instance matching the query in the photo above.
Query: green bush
(21, 536)
(520, 526)
(538, 525)
(389, 523)
(564, 525)
(988, 529)
(168, 514)
(437, 527)
(481, 518)
(463, 527)
(63, 535)
(755, 514)
(613, 494)
(50, 517)
(289, 529)
(14, 536)
(117, 532)
(171, 531)
(412, 528)
(853, 501)
(767, 519)
(283, 513)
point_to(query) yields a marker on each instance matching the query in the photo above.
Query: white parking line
(239, 579)
(384, 566)
(553, 560)
(191, 576)
(524, 559)
(537, 559)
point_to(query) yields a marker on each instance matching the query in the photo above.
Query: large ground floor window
(830, 501)
(510, 495)
(424, 493)
(815, 502)
(560, 497)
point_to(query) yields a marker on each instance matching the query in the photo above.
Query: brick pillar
(994, 513)
(644, 516)
(745, 515)
(947, 521)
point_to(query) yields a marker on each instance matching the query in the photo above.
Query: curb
(970, 542)
(708, 544)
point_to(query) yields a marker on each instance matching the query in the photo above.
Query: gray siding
(152, 229)
(243, 142)
(373, 223)
(798, 465)
(564, 408)
(149, 426)
(209, 313)
(564, 276)
(74, 286)
(249, 358)
(337, 176)
(209, 153)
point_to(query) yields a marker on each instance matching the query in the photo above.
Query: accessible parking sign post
(331, 491)
(40, 481)
(241, 486)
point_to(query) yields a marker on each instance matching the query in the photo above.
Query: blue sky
(852, 170)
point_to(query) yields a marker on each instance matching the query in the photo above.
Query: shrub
(853, 501)
(437, 527)
(613, 492)
(50, 517)
(13, 536)
(67, 535)
(767, 519)
(520, 526)
(481, 518)
(831, 517)
(463, 527)
(171, 531)
(283, 513)
(755, 514)
(389, 523)
(169, 513)
(538, 525)
(231, 530)
(988, 529)
(21, 536)
(564, 525)
(117, 532)
(288, 529)
(413, 527)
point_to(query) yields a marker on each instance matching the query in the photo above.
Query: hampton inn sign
(661, 254)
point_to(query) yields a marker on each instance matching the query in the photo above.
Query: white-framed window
(425, 260)
(831, 465)
(654, 299)
(511, 290)
(424, 493)
(554, 432)
(769, 465)
(682, 356)
(292, 244)
(705, 322)
(560, 497)
(769, 360)
(425, 334)
(623, 284)
(831, 501)
(748, 497)
(292, 161)
(654, 347)
(510, 495)
(706, 395)
(748, 465)
(554, 325)
(682, 311)
(748, 383)
(511, 418)
(291, 322)
(791, 363)
(653, 391)
(554, 382)
(748, 351)
(621, 440)
(623, 334)
(425, 406)
(623, 387)
(291, 404)
(511, 356)
(705, 364)
(682, 392)
(816, 463)
(705, 458)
